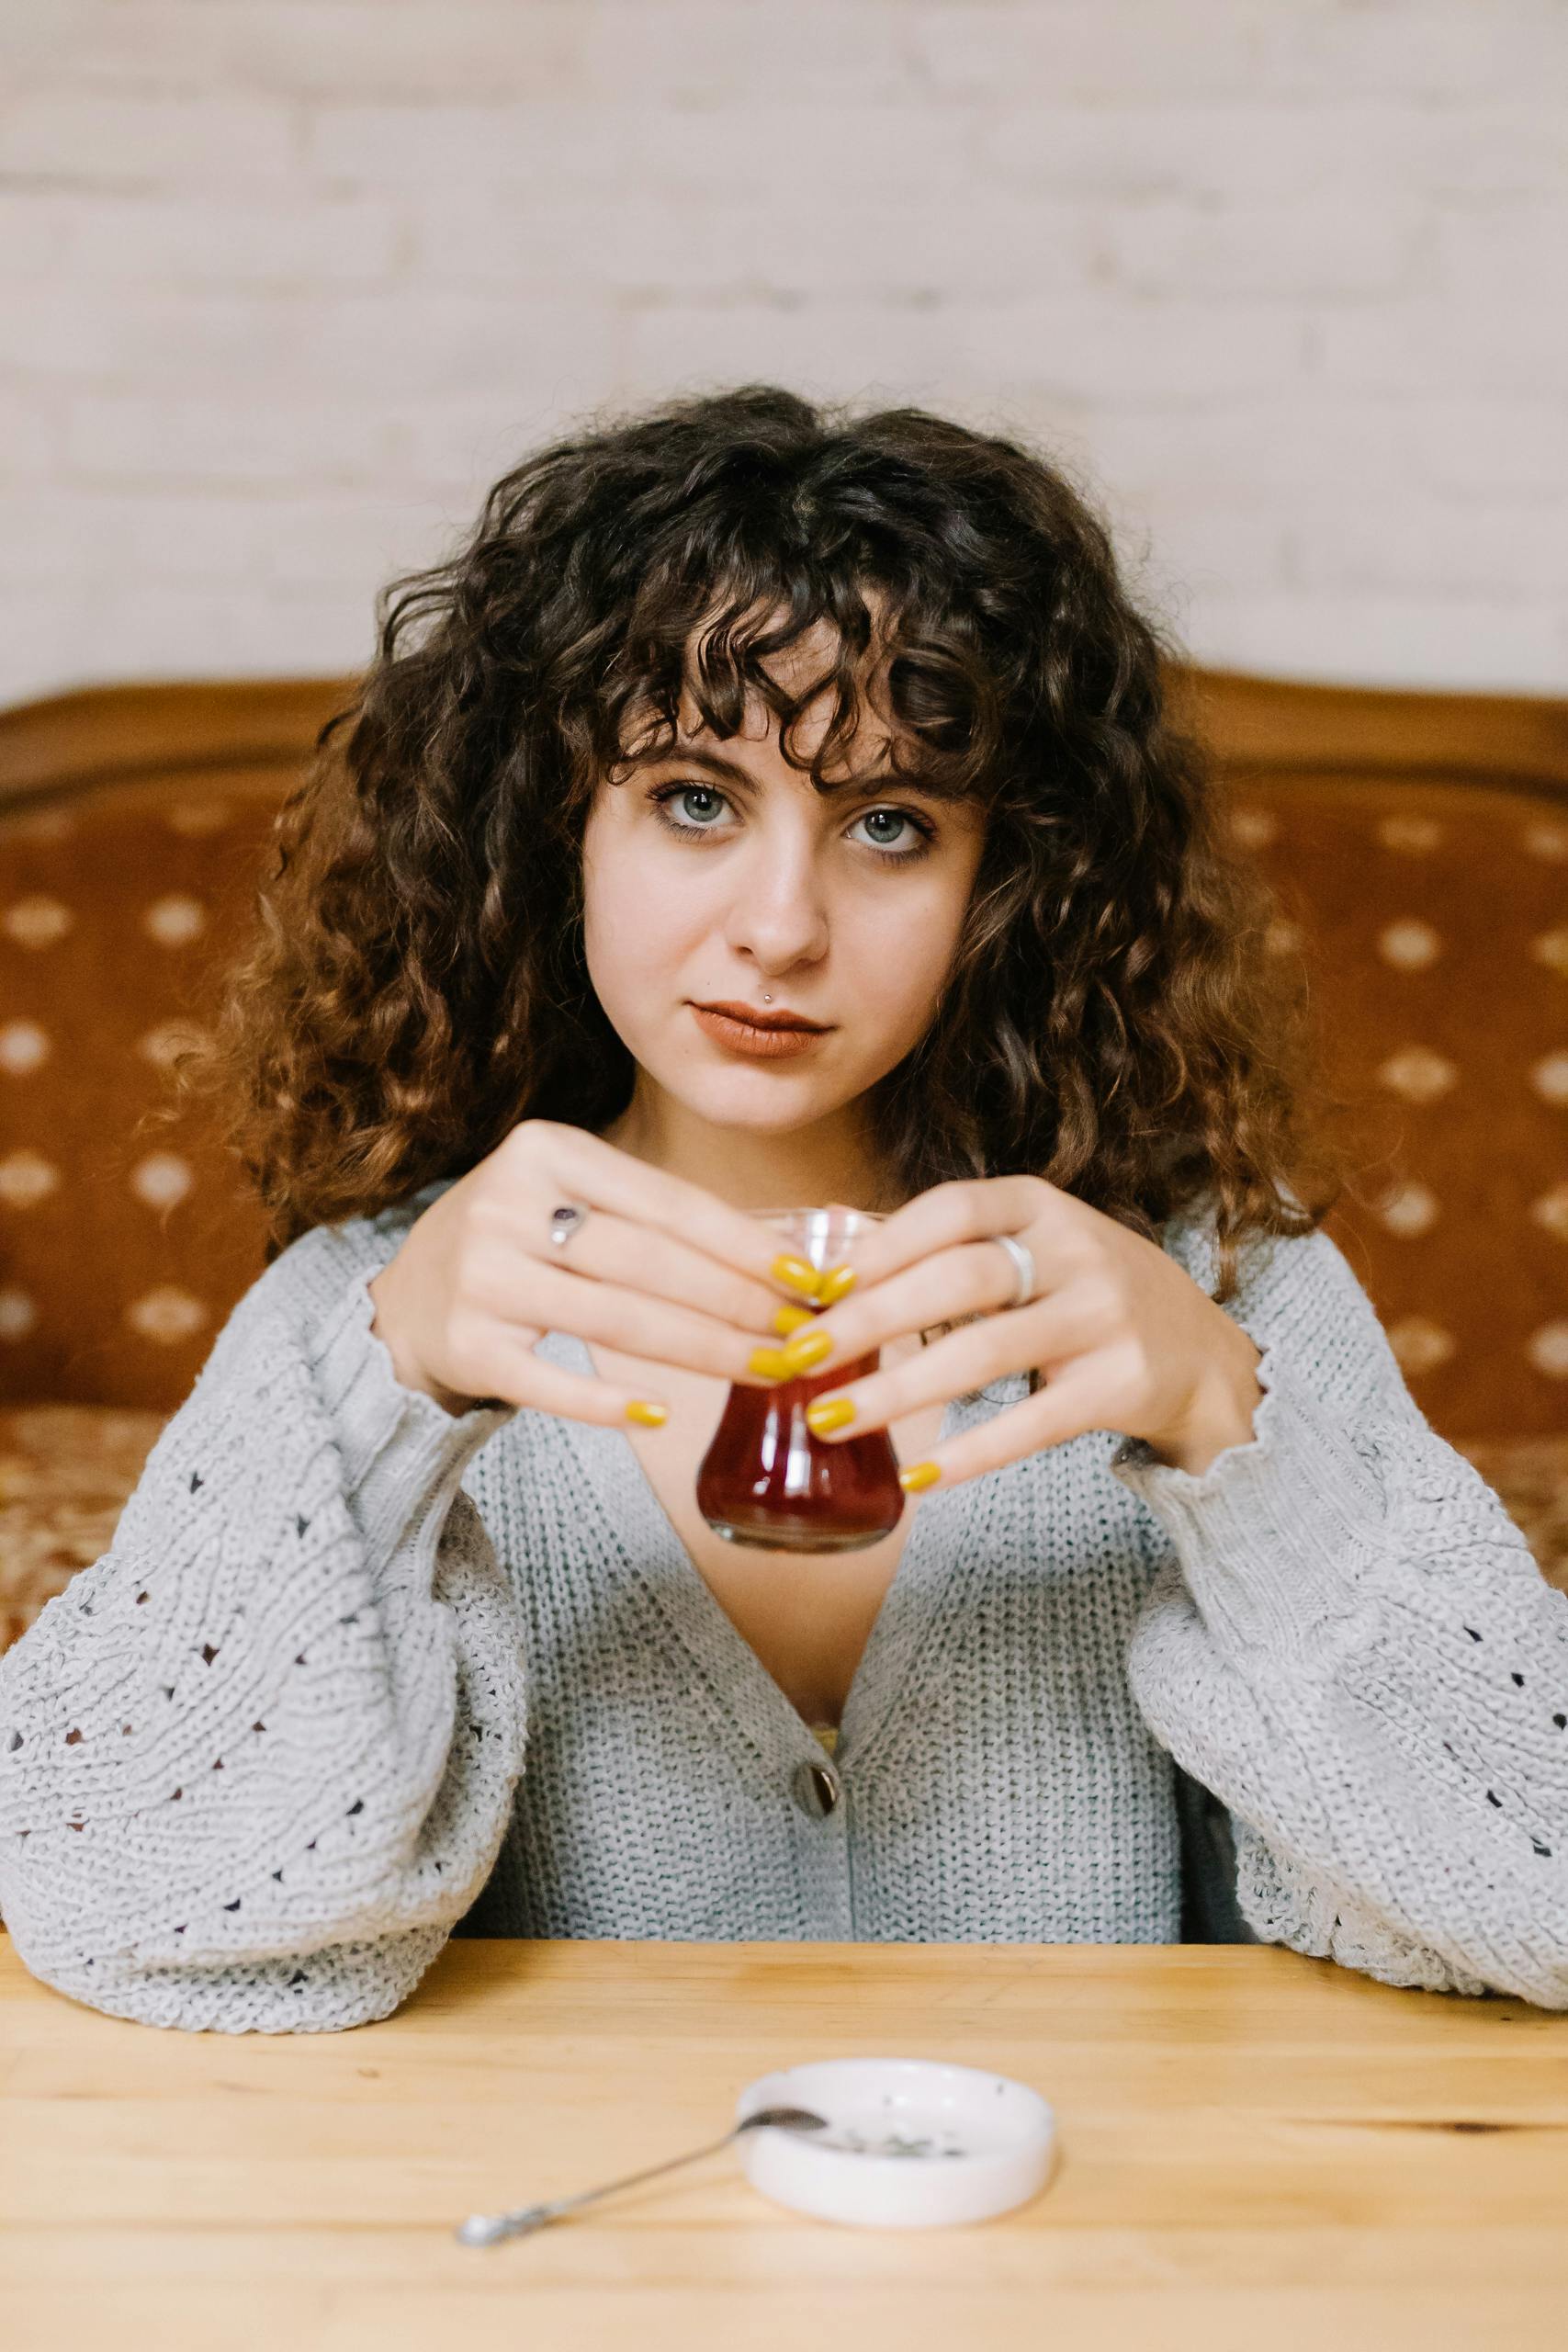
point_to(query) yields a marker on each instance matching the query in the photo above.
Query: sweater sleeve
(257, 1760)
(1347, 1640)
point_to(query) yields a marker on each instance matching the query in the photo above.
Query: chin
(778, 1112)
(761, 1097)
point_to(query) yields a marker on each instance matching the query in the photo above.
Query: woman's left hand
(1122, 1336)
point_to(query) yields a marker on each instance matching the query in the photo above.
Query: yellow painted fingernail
(652, 1415)
(808, 1349)
(834, 1283)
(796, 1273)
(825, 1413)
(770, 1362)
(790, 1319)
(924, 1474)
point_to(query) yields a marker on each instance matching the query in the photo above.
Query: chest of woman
(807, 1616)
(975, 1664)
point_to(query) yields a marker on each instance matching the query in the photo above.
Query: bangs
(897, 675)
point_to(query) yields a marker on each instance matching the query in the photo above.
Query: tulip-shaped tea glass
(766, 1479)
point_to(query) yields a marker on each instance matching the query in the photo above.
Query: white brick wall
(285, 284)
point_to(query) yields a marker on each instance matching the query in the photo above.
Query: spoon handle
(487, 2230)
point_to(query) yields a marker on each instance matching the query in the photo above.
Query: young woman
(772, 806)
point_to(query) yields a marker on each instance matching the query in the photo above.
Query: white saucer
(911, 2142)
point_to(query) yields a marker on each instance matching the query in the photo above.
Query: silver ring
(565, 1221)
(1023, 1266)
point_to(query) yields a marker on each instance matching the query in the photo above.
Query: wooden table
(1257, 2151)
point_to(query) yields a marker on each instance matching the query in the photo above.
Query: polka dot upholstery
(1436, 944)
(119, 1255)
(1418, 850)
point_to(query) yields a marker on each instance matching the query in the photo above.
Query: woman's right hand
(661, 1269)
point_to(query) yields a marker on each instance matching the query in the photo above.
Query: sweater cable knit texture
(356, 1675)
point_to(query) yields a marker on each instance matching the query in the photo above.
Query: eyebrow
(694, 755)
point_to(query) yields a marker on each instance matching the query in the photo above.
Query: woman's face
(718, 875)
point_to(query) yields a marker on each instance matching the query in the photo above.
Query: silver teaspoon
(488, 2229)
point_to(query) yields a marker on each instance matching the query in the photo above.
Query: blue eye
(691, 792)
(883, 817)
(919, 831)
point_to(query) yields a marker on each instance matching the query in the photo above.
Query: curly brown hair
(416, 983)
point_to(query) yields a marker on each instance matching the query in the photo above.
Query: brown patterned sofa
(1418, 844)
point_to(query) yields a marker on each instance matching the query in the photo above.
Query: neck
(826, 1161)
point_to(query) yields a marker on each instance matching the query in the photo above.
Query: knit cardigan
(356, 1675)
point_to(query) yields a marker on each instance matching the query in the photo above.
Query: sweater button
(816, 1789)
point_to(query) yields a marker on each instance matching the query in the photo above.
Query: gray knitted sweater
(356, 1676)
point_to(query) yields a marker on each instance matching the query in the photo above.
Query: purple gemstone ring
(565, 1220)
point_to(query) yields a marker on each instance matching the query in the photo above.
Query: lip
(755, 1018)
(772, 1038)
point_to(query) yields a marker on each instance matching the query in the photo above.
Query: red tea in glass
(766, 1479)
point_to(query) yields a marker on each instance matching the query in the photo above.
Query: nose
(777, 912)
